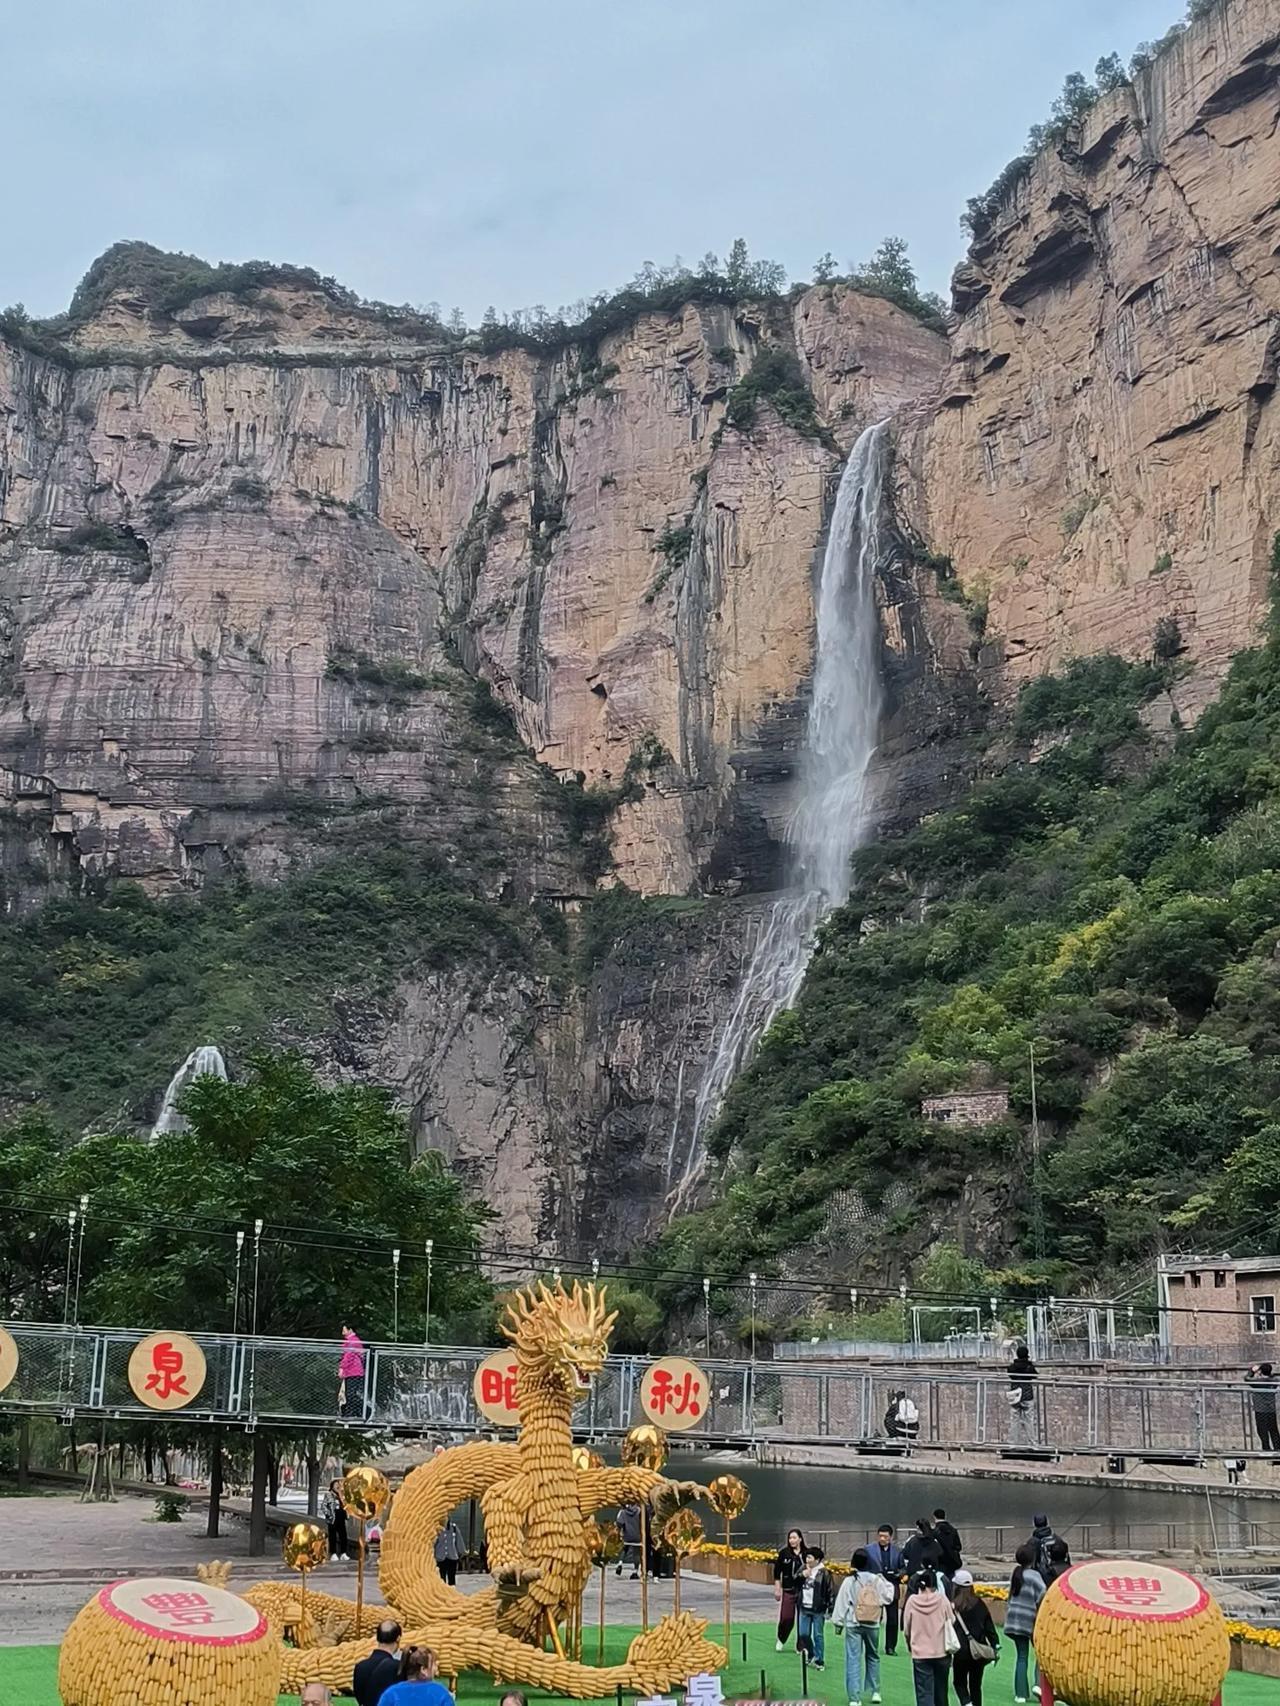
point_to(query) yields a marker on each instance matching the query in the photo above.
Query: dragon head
(562, 1336)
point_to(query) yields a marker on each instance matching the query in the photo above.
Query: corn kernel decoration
(538, 1499)
(169, 1643)
(1122, 1633)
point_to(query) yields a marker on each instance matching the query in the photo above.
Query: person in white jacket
(858, 1614)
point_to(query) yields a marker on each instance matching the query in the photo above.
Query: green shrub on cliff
(1115, 911)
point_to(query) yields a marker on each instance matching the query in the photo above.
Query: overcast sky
(481, 151)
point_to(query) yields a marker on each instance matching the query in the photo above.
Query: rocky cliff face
(253, 556)
(1105, 452)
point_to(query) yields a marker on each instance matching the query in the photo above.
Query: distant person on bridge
(886, 1557)
(334, 1513)
(1026, 1590)
(1262, 1393)
(350, 1365)
(1023, 1375)
(788, 1573)
(948, 1538)
(902, 1418)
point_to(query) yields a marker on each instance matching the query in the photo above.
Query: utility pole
(1037, 1186)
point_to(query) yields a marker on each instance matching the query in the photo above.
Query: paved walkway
(69, 1549)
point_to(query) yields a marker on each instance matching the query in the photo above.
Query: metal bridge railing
(415, 1388)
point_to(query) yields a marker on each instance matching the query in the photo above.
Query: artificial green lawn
(28, 1675)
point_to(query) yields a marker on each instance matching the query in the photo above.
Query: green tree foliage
(100, 998)
(330, 1171)
(1117, 910)
(889, 273)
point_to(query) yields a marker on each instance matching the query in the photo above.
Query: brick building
(1227, 1302)
(967, 1107)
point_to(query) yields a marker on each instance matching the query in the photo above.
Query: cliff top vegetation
(1079, 96)
(165, 283)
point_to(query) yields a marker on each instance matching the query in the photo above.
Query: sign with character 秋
(674, 1393)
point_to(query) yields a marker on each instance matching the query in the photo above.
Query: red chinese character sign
(8, 1358)
(166, 1371)
(193, 1643)
(674, 1392)
(1115, 1632)
(494, 1389)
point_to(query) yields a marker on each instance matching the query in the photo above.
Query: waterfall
(203, 1062)
(831, 816)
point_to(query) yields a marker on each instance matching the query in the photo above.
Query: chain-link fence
(420, 1389)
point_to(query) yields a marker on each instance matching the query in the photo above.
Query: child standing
(813, 1604)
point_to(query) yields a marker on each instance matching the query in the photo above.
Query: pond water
(839, 1508)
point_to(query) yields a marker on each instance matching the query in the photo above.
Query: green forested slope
(1116, 907)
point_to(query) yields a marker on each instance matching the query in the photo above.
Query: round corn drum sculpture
(165, 1642)
(1127, 1634)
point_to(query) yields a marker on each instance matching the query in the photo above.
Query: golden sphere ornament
(645, 1447)
(365, 1492)
(305, 1546)
(729, 1496)
(604, 1542)
(683, 1531)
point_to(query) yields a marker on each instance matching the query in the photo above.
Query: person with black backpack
(861, 1604)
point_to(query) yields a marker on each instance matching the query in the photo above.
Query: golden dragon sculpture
(535, 1503)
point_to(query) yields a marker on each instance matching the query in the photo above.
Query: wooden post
(644, 1566)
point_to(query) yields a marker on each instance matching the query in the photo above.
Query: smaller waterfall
(203, 1062)
(831, 818)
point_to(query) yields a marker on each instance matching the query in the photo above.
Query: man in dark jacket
(373, 1676)
(887, 1558)
(948, 1538)
(1262, 1394)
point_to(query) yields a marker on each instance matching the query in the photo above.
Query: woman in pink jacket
(350, 1365)
(926, 1618)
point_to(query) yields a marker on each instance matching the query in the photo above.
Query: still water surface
(841, 1507)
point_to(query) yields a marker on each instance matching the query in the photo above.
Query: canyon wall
(1104, 456)
(255, 556)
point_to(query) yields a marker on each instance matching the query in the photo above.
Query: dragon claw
(670, 1496)
(515, 1580)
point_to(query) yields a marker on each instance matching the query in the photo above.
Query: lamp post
(66, 1283)
(395, 1297)
(235, 1293)
(426, 1331)
(75, 1303)
(706, 1315)
(257, 1253)
(902, 1299)
(595, 1269)
(752, 1281)
(253, 1353)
